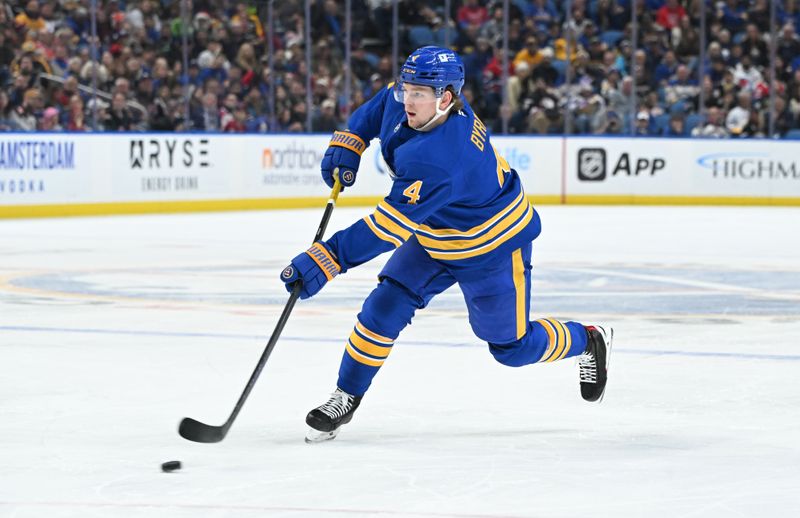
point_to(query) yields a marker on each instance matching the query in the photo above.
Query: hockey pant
(498, 302)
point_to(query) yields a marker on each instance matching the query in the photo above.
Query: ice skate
(593, 363)
(326, 420)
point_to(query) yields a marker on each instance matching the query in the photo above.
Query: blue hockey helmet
(435, 67)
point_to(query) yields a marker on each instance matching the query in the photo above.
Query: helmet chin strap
(439, 114)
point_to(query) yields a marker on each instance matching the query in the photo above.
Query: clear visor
(413, 93)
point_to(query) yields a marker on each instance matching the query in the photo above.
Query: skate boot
(593, 363)
(325, 420)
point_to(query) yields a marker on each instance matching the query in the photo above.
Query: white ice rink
(113, 329)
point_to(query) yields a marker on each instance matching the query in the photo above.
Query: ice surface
(113, 329)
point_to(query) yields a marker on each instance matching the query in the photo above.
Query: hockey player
(456, 214)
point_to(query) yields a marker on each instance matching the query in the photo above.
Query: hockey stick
(196, 431)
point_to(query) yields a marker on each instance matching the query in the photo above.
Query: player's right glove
(314, 268)
(343, 153)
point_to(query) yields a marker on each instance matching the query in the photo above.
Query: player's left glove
(314, 268)
(343, 153)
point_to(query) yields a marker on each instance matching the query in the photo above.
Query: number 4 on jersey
(412, 192)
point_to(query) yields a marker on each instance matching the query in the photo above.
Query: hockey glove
(343, 153)
(314, 267)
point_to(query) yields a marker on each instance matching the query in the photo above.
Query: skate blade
(314, 436)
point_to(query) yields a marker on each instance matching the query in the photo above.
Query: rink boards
(55, 174)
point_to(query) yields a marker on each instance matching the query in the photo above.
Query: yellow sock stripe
(390, 225)
(394, 213)
(560, 340)
(366, 347)
(450, 232)
(349, 141)
(324, 260)
(360, 358)
(519, 288)
(551, 338)
(567, 338)
(372, 335)
(380, 233)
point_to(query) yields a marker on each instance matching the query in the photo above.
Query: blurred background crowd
(728, 68)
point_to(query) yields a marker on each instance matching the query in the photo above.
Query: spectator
(517, 86)
(789, 45)
(530, 54)
(30, 19)
(545, 70)
(5, 123)
(119, 118)
(670, 14)
(49, 120)
(738, 119)
(784, 119)
(325, 121)
(543, 14)
(472, 13)
(712, 127)
(207, 117)
(676, 126)
(755, 47)
(642, 124)
(619, 100)
(681, 88)
(23, 117)
(746, 75)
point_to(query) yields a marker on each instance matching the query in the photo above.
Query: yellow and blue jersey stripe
(452, 244)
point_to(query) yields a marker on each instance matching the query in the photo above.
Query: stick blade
(195, 431)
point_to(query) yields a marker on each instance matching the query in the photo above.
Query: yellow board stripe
(450, 232)
(391, 211)
(519, 287)
(360, 358)
(230, 204)
(461, 244)
(551, 338)
(390, 225)
(366, 347)
(513, 231)
(373, 336)
(380, 233)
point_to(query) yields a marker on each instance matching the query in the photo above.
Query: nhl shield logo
(592, 164)
(287, 272)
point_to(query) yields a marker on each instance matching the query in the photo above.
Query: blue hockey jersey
(451, 189)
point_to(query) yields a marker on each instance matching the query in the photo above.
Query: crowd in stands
(204, 65)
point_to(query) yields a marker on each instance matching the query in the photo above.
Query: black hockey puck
(171, 466)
